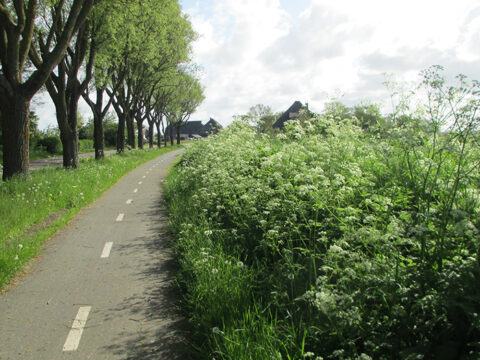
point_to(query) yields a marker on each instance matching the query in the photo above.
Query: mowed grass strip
(31, 211)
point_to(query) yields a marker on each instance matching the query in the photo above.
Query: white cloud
(254, 52)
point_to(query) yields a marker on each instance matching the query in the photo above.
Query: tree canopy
(136, 52)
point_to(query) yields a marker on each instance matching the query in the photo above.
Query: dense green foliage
(329, 241)
(51, 144)
(30, 211)
(128, 50)
(110, 127)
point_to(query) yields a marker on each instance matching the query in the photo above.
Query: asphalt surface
(75, 304)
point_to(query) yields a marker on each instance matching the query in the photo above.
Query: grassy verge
(31, 211)
(42, 154)
(322, 243)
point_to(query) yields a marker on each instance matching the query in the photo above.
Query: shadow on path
(161, 327)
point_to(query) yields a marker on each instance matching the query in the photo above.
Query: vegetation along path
(56, 161)
(101, 288)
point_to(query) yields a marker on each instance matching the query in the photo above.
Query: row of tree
(134, 55)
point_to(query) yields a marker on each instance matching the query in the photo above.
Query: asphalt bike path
(102, 287)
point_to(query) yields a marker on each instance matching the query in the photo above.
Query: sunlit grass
(56, 194)
(309, 244)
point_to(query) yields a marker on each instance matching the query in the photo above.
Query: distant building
(212, 126)
(292, 113)
(195, 129)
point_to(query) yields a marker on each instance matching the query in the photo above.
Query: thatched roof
(212, 126)
(192, 128)
(292, 113)
(195, 127)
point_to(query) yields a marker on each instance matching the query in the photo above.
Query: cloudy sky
(274, 52)
(277, 51)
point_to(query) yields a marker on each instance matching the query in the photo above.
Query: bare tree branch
(27, 34)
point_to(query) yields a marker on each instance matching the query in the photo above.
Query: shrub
(356, 244)
(51, 144)
(85, 145)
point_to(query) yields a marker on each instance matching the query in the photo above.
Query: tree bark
(178, 133)
(130, 129)
(121, 134)
(65, 93)
(164, 134)
(16, 135)
(67, 123)
(159, 135)
(70, 148)
(150, 134)
(16, 91)
(140, 133)
(98, 138)
(121, 123)
(171, 134)
(98, 116)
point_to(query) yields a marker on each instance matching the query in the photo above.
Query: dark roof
(212, 124)
(192, 127)
(189, 128)
(291, 113)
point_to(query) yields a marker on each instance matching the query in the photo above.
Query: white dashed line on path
(120, 217)
(140, 182)
(136, 190)
(129, 201)
(143, 177)
(106, 250)
(75, 334)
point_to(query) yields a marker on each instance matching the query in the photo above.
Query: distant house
(212, 126)
(192, 129)
(293, 112)
(195, 129)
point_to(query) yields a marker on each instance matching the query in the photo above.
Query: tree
(64, 86)
(369, 116)
(161, 98)
(257, 112)
(99, 111)
(102, 29)
(18, 86)
(263, 118)
(157, 40)
(110, 126)
(338, 110)
(188, 95)
(85, 130)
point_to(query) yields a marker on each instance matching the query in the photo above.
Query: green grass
(324, 242)
(37, 154)
(31, 211)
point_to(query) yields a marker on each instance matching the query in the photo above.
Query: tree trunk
(150, 135)
(16, 136)
(70, 148)
(159, 136)
(98, 141)
(164, 133)
(130, 129)
(140, 133)
(178, 134)
(67, 123)
(98, 115)
(171, 134)
(121, 134)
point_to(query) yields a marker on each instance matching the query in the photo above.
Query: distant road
(55, 161)
(58, 161)
(103, 286)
